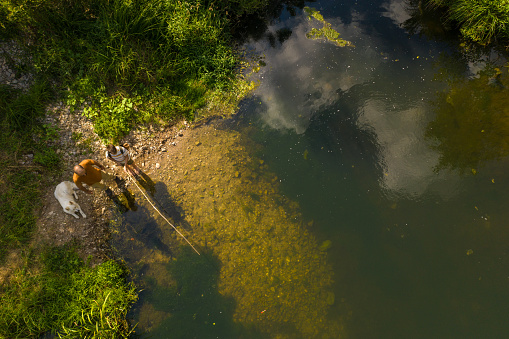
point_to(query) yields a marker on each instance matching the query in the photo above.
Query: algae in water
(326, 32)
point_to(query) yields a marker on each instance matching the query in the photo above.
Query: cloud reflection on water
(304, 76)
(396, 10)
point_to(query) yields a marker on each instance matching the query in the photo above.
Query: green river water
(361, 192)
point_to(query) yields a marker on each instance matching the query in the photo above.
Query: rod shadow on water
(169, 207)
(143, 225)
(193, 306)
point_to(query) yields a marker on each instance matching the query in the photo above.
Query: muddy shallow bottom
(259, 272)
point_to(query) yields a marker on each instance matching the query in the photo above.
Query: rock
(158, 165)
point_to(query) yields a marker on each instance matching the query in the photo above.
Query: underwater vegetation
(471, 125)
(326, 32)
(260, 272)
(270, 264)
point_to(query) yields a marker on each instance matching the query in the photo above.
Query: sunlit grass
(162, 58)
(482, 21)
(57, 292)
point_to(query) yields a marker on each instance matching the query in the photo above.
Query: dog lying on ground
(64, 193)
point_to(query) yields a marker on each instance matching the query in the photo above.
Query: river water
(416, 253)
(398, 174)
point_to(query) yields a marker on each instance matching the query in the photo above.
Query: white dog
(64, 194)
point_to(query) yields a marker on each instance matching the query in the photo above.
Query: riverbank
(229, 206)
(103, 106)
(56, 228)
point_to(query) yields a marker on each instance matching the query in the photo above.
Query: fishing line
(150, 202)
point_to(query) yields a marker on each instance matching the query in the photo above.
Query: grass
(482, 21)
(131, 61)
(26, 158)
(56, 292)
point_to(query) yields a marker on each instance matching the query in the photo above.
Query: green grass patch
(57, 292)
(131, 62)
(26, 159)
(482, 21)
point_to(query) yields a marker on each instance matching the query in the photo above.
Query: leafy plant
(113, 116)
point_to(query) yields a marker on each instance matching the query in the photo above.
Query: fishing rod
(150, 202)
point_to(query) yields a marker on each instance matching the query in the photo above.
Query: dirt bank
(149, 147)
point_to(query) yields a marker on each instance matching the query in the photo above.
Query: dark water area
(417, 252)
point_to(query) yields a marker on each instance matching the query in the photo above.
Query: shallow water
(343, 200)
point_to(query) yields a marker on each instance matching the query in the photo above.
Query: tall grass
(57, 292)
(164, 56)
(21, 134)
(482, 21)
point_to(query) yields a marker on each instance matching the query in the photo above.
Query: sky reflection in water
(388, 88)
(416, 253)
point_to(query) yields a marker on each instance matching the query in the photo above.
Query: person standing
(92, 173)
(120, 155)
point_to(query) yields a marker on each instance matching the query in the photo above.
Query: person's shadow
(127, 202)
(144, 221)
(166, 203)
(147, 183)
